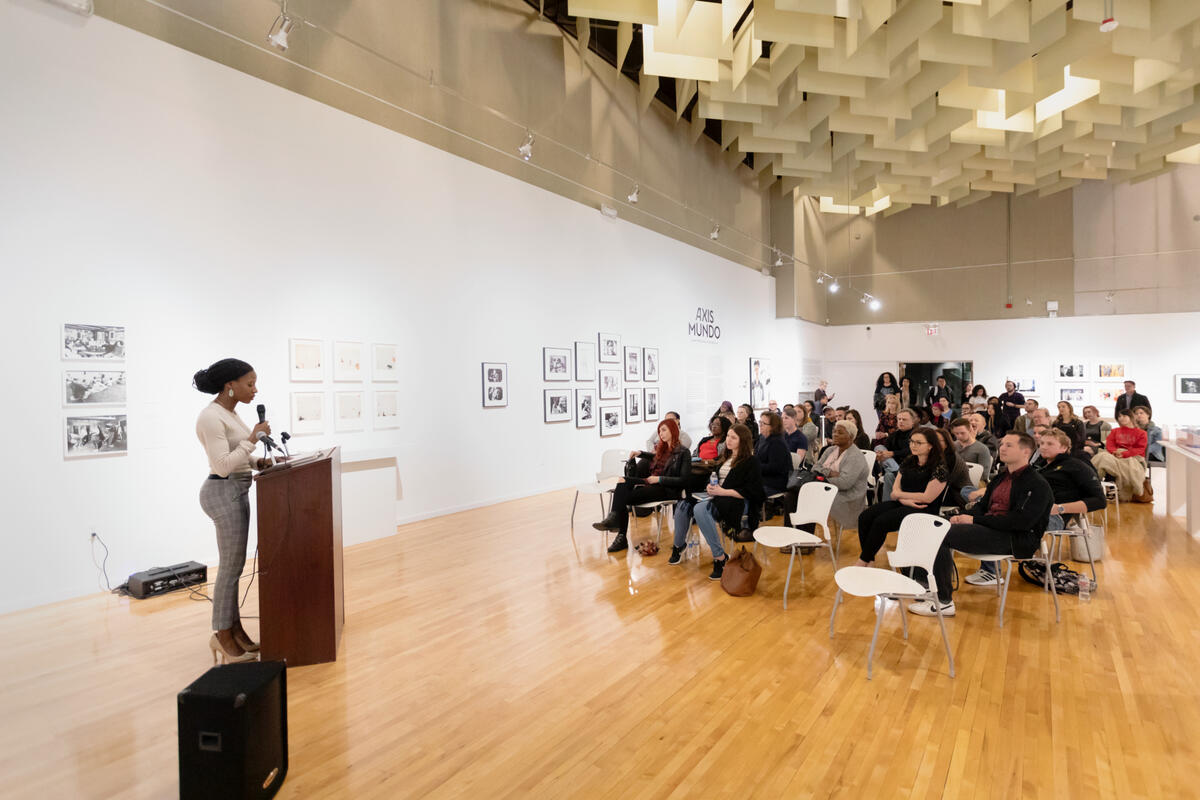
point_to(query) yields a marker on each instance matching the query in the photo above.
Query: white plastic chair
(612, 466)
(916, 546)
(975, 473)
(1081, 529)
(869, 455)
(1002, 587)
(813, 506)
(1111, 493)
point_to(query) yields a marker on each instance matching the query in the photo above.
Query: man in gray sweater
(684, 439)
(969, 449)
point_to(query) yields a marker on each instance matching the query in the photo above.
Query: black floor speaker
(233, 732)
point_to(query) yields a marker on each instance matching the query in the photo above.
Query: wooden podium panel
(301, 611)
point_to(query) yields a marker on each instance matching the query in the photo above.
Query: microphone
(262, 413)
(267, 441)
(283, 439)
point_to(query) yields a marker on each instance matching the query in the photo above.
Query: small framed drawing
(348, 411)
(95, 436)
(1110, 370)
(93, 387)
(387, 410)
(585, 361)
(307, 360)
(609, 345)
(633, 405)
(495, 384)
(1075, 395)
(1187, 387)
(585, 408)
(1026, 384)
(347, 362)
(82, 342)
(633, 363)
(384, 367)
(610, 420)
(308, 413)
(650, 363)
(610, 384)
(556, 364)
(558, 405)
(1076, 370)
(650, 404)
(1105, 395)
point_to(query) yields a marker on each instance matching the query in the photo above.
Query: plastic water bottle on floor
(1085, 588)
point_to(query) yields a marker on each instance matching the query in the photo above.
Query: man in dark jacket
(938, 391)
(894, 449)
(1130, 399)
(1011, 518)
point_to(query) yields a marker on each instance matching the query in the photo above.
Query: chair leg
(945, 638)
(1053, 587)
(1007, 583)
(576, 502)
(832, 558)
(880, 604)
(903, 616)
(837, 600)
(1091, 559)
(788, 582)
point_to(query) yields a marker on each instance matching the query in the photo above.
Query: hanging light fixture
(716, 232)
(526, 150)
(778, 258)
(821, 279)
(281, 28)
(633, 196)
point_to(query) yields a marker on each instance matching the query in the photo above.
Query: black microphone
(268, 441)
(283, 437)
(262, 413)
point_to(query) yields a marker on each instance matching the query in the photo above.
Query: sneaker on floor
(927, 608)
(676, 555)
(983, 578)
(718, 569)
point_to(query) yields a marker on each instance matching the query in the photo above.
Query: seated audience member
(860, 438)
(969, 448)
(964, 409)
(795, 439)
(809, 428)
(997, 422)
(919, 488)
(893, 450)
(712, 446)
(887, 419)
(824, 427)
(684, 439)
(774, 462)
(1124, 457)
(810, 409)
(726, 407)
(1095, 431)
(1130, 399)
(841, 412)
(773, 406)
(1154, 448)
(740, 483)
(1023, 423)
(1071, 425)
(1011, 402)
(845, 467)
(787, 407)
(958, 477)
(978, 397)
(923, 417)
(745, 416)
(939, 413)
(982, 435)
(669, 472)
(885, 384)
(1011, 518)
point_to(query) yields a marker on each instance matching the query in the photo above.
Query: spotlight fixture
(1108, 298)
(277, 36)
(716, 232)
(833, 287)
(1109, 23)
(821, 279)
(778, 262)
(526, 150)
(870, 301)
(863, 299)
(633, 196)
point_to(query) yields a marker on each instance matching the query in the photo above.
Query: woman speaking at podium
(225, 494)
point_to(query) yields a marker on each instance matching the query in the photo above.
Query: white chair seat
(599, 487)
(779, 536)
(870, 581)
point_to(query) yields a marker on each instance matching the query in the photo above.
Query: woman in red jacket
(1123, 457)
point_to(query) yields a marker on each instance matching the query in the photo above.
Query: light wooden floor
(487, 655)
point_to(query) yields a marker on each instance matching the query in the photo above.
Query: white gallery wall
(216, 215)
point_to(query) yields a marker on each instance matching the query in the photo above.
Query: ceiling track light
(821, 279)
(716, 232)
(834, 286)
(870, 301)
(526, 150)
(633, 196)
(778, 262)
(280, 29)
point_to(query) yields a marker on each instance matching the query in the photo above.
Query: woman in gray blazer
(845, 467)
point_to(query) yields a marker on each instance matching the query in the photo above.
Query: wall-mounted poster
(556, 364)
(347, 361)
(650, 404)
(1105, 395)
(609, 348)
(633, 405)
(1111, 370)
(633, 363)
(308, 413)
(650, 363)
(387, 410)
(558, 405)
(610, 420)
(1026, 384)
(1073, 369)
(1075, 395)
(762, 390)
(495, 384)
(93, 387)
(585, 361)
(348, 411)
(384, 367)
(1187, 387)
(585, 408)
(307, 360)
(95, 436)
(610, 384)
(89, 342)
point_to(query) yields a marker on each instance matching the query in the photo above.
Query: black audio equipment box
(161, 580)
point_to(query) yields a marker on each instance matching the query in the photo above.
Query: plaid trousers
(227, 503)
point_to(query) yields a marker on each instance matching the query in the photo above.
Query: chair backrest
(975, 471)
(797, 460)
(813, 504)
(612, 464)
(917, 543)
(869, 455)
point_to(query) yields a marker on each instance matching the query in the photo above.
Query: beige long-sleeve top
(226, 440)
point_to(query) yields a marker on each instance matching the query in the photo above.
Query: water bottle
(1085, 588)
(712, 478)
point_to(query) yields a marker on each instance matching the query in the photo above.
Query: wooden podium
(300, 559)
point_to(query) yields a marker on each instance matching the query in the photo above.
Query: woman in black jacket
(773, 458)
(667, 477)
(740, 482)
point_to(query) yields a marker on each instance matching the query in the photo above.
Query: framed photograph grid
(556, 364)
(495, 384)
(101, 435)
(97, 381)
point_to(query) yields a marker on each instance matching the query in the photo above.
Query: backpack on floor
(1066, 580)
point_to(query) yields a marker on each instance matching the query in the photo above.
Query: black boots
(609, 523)
(676, 556)
(619, 543)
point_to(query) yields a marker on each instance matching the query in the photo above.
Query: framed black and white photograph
(495, 384)
(610, 384)
(1075, 395)
(387, 410)
(650, 363)
(308, 413)
(650, 404)
(1073, 369)
(348, 411)
(585, 361)
(93, 387)
(585, 408)
(609, 348)
(95, 436)
(610, 421)
(762, 389)
(384, 363)
(1187, 388)
(82, 342)
(633, 405)
(347, 362)
(1026, 384)
(633, 363)
(306, 360)
(558, 405)
(556, 364)
(1110, 370)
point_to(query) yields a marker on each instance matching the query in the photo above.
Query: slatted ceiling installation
(924, 101)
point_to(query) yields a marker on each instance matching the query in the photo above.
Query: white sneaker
(981, 578)
(927, 608)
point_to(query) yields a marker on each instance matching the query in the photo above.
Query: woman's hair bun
(222, 372)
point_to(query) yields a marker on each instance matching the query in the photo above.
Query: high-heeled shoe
(245, 642)
(214, 644)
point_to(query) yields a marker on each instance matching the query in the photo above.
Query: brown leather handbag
(741, 574)
(1147, 495)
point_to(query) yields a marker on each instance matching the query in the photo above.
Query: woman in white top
(225, 496)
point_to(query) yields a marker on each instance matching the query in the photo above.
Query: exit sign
(933, 329)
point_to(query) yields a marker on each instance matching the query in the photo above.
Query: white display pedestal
(370, 489)
(1183, 485)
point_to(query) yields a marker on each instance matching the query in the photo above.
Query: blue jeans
(683, 521)
(707, 524)
(1054, 524)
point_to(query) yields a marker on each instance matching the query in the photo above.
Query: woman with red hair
(661, 475)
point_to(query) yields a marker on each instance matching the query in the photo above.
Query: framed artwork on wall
(633, 363)
(650, 404)
(610, 420)
(585, 361)
(308, 413)
(761, 384)
(650, 363)
(1075, 395)
(1026, 384)
(387, 410)
(306, 360)
(1187, 387)
(93, 387)
(610, 384)
(558, 405)
(384, 367)
(347, 362)
(1073, 370)
(105, 435)
(609, 348)
(556, 364)
(585, 408)
(633, 405)
(1110, 370)
(495, 384)
(81, 342)
(1107, 394)
(348, 408)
